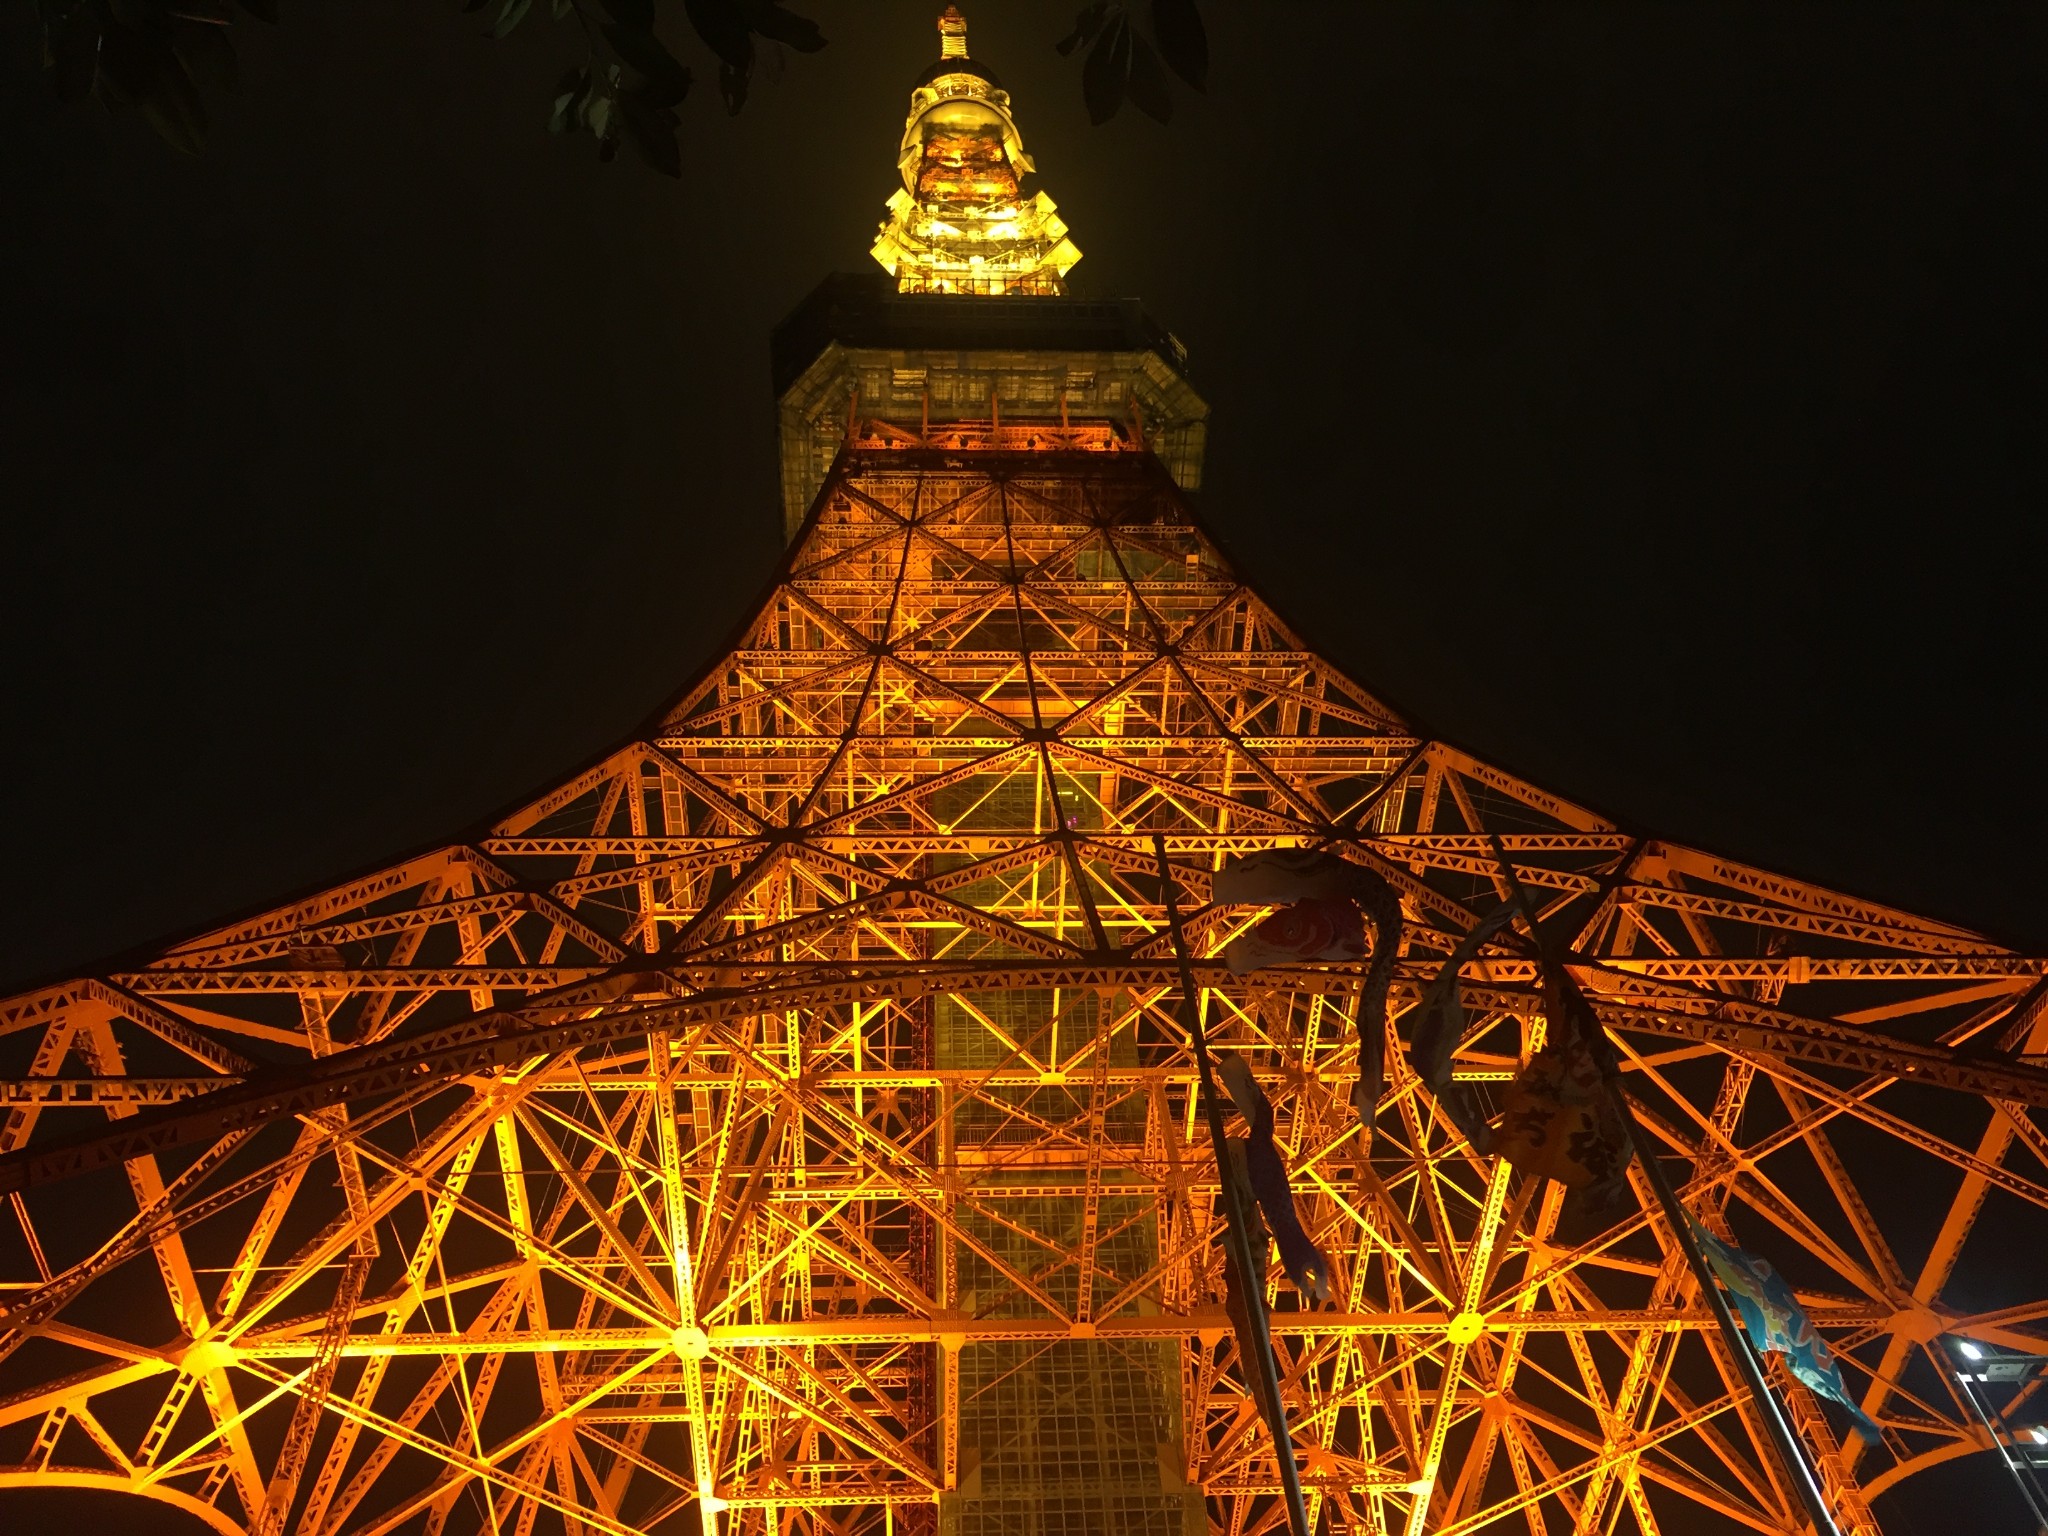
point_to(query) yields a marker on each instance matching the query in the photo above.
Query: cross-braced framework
(782, 1125)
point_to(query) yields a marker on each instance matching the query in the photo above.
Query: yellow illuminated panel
(961, 222)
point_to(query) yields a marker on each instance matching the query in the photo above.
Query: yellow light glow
(961, 223)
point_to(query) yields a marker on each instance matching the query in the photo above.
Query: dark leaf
(139, 68)
(72, 46)
(1108, 70)
(509, 16)
(1086, 25)
(562, 9)
(668, 94)
(781, 25)
(723, 26)
(1183, 40)
(469, 6)
(632, 13)
(262, 10)
(652, 128)
(202, 11)
(208, 57)
(667, 81)
(599, 119)
(732, 85)
(174, 110)
(1150, 92)
(568, 108)
(129, 60)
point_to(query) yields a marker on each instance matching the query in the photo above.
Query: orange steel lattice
(785, 1124)
(782, 1124)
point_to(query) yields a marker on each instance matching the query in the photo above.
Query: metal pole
(1992, 1422)
(1237, 1218)
(1790, 1452)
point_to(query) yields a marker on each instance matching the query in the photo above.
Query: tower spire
(961, 222)
(952, 33)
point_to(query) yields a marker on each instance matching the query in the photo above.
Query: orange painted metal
(677, 1147)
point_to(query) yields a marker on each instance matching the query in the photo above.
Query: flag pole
(1264, 1365)
(1790, 1451)
(1798, 1468)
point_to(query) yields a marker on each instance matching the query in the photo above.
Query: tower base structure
(782, 1123)
(786, 1124)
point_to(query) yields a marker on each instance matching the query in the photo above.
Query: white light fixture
(1970, 1351)
(2038, 1435)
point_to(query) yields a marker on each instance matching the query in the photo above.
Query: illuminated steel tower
(784, 1124)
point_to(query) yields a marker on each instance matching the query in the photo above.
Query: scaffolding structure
(782, 1125)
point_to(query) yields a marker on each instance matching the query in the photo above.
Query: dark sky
(1650, 398)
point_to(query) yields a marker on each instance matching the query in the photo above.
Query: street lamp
(2024, 1458)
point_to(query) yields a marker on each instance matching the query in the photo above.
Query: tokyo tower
(792, 1123)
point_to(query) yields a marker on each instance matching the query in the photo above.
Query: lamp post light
(2024, 1452)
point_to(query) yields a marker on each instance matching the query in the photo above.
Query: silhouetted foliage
(162, 58)
(630, 83)
(1123, 62)
(156, 57)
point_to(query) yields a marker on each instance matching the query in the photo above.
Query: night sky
(1650, 399)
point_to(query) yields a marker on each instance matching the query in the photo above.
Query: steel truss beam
(690, 1139)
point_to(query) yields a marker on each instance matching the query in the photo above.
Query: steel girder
(667, 1151)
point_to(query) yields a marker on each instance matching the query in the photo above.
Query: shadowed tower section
(783, 1125)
